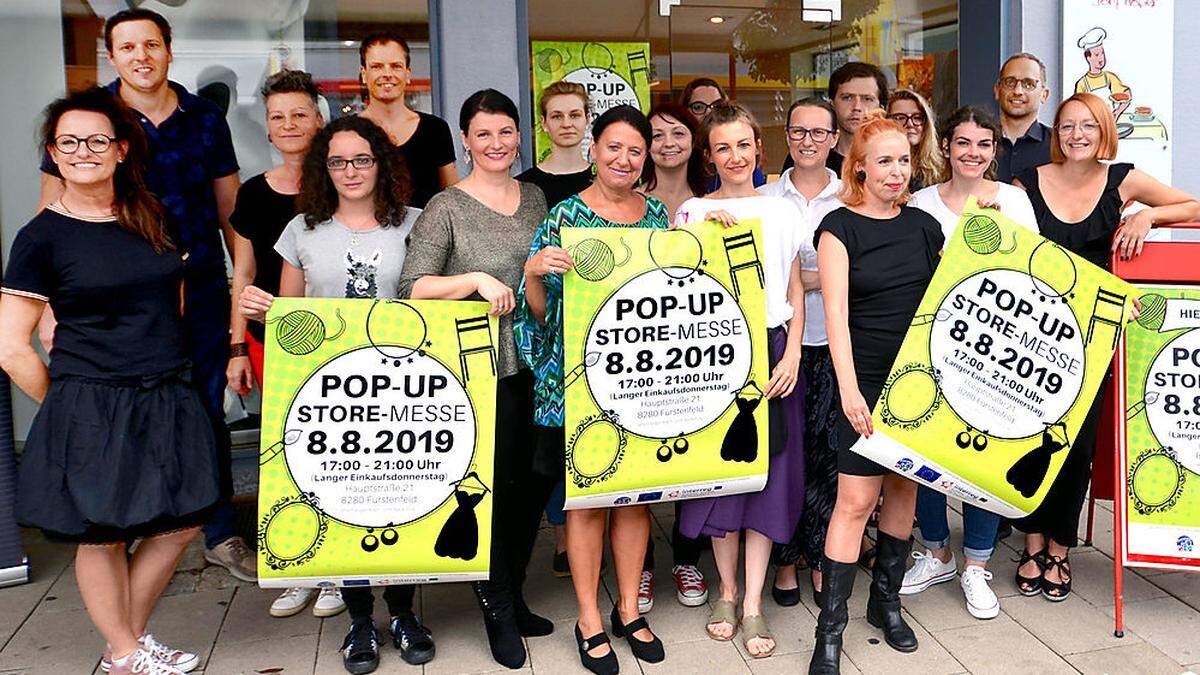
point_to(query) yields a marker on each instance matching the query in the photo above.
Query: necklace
(62, 201)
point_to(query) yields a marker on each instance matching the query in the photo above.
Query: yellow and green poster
(1002, 361)
(1161, 357)
(666, 363)
(614, 73)
(377, 437)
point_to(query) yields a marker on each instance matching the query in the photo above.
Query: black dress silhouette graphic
(1029, 472)
(741, 441)
(459, 537)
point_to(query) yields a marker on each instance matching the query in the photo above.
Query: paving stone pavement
(45, 630)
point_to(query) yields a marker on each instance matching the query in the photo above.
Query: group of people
(130, 446)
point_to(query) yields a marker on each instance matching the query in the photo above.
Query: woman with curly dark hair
(349, 242)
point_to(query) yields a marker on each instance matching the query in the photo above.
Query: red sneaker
(646, 592)
(690, 584)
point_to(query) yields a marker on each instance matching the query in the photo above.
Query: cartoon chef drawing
(1097, 80)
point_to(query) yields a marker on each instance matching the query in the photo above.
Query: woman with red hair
(875, 257)
(1077, 200)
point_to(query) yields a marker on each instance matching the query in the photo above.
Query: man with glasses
(855, 89)
(194, 173)
(1021, 91)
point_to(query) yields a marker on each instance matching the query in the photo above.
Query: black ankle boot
(837, 580)
(883, 606)
(528, 623)
(501, 623)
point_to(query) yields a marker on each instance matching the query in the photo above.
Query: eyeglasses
(916, 119)
(97, 143)
(700, 108)
(818, 135)
(359, 162)
(1067, 128)
(1027, 83)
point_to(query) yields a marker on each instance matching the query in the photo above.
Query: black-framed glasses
(359, 162)
(1026, 83)
(700, 108)
(97, 143)
(818, 134)
(916, 119)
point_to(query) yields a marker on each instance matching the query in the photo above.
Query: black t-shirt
(429, 149)
(260, 215)
(891, 264)
(557, 186)
(116, 300)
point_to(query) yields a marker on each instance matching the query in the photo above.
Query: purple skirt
(775, 510)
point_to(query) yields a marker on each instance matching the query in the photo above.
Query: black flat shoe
(1029, 586)
(600, 665)
(785, 597)
(530, 624)
(650, 652)
(1057, 592)
(413, 639)
(360, 649)
(500, 623)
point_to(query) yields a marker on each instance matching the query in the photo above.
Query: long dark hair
(136, 210)
(393, 187)
(695, 166)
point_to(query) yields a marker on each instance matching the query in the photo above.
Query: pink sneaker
(690, 584)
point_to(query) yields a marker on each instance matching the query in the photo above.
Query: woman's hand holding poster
(1000, 366)
(377, 438)
(666, 363)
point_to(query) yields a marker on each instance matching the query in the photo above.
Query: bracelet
(239, 349)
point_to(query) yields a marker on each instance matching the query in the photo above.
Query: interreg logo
(1185, 544)
(905, 464)
(674, 494)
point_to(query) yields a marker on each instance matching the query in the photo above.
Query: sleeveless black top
(1092, 236)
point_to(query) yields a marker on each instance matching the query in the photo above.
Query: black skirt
(108, 460)
(850, 462)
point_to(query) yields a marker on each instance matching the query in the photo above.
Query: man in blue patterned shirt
(194, 173)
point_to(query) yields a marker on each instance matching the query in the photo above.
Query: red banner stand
(1161, 262)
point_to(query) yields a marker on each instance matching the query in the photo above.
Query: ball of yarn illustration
(982, 235)
(1154, 311)
(594, 259)
(300, 332)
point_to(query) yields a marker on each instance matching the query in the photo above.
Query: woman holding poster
(970, 140)
(349, 242)
(470, 243)
(731, 141)
(875, 257)
(620, 142)
(1077, 200)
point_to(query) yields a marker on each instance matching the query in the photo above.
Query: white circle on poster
(380, 446)
(1009, 360)
(1174, 408)
(669, 360)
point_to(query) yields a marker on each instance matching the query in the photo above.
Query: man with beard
(1021, 91)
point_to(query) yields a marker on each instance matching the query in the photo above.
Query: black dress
(122, 446)
(891, 264)
(1091, 238)
(260, 214)
(557, 186)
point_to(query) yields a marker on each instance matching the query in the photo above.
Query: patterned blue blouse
(541, 345)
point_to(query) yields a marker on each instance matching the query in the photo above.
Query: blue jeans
(979, 526)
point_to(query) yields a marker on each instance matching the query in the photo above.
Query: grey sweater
(456, 234)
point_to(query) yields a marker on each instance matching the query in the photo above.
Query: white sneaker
(982, 603)
(142, 662)
(927, 572)
(182, 661)
(291, 601)
(329, 603)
